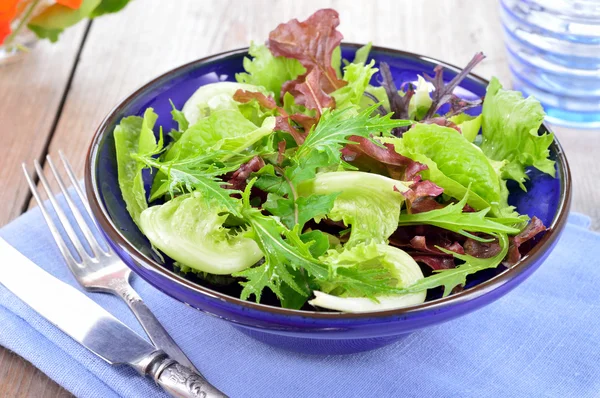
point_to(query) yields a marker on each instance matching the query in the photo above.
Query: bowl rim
(112, 231)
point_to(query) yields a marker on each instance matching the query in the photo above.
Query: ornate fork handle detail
(179, 381)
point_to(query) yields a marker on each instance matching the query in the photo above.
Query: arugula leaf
(134, 136)
(450, 278)
(190, 176)
(336, 126)
(267, 70)
(454, 219)
(510, 132)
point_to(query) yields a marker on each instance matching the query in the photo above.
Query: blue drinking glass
(553, 51)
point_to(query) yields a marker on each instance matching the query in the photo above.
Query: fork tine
(94, 245)
(75, 183)
(60, 213)
(62, 246)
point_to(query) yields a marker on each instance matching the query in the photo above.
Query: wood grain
(149, 37)
(32, 92)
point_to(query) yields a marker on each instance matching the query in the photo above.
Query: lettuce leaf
(362, 54)
(226, 129)
(370, 203)
(189, 229)
(378, 261)
(268, 71)
(455, 164)
(468, 125)
(358, 77)
(510, 132)
(134, 135)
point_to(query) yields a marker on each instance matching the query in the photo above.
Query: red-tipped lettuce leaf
(534, 227)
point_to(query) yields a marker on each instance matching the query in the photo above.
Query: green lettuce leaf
(377, 261)
(370, 203)
(189, 229)
(50, 23)
(267, 70)
(226, 130)
(469, 125)
(134, 135)
(510, 132)
(455, 164)
(362, 54)
(358, 77)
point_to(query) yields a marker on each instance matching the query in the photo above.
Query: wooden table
(57, 95)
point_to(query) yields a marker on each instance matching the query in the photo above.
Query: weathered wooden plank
(31, 91)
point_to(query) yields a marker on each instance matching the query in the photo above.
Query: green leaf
(50, 23)
(336, 126)
(469, 125)
(510, 132)
(454, 219)
(358, 77)
(363, 265)
(318, 241)
(134, 136)
(191, 175)
(370, 203)
(268, 71)
(336, 61)
(108, 7)
(362, 54)
(283, 202)
(226, 130)
(454, 164)
(189, 229)
(179, 117)
(421, 101)
(450, 278)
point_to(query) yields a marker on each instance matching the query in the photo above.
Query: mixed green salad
(303, 185)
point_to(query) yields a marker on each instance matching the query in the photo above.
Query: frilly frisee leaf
(450, 278)
(453, 218)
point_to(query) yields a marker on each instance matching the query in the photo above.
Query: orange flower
(8, 10)
(74, 4)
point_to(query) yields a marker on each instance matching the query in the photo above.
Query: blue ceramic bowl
(308, 331)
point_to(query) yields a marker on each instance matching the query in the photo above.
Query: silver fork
(100, 270)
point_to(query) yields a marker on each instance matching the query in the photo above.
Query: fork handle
(157, 333)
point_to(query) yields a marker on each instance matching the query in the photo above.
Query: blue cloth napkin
(542, 339)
